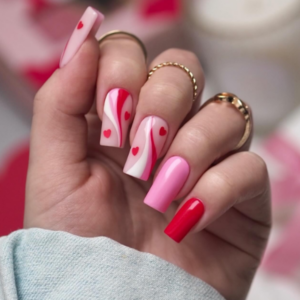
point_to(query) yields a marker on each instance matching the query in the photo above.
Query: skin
(77, 186)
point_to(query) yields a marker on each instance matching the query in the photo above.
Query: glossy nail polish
(185, 219)
(168, 183)
(116, 118)
(89, 23)
(146, 147)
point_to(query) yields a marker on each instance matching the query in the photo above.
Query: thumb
(59, 128)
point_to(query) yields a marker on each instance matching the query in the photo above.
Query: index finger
(122, 72)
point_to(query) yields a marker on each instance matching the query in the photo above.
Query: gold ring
(175, 64)
(114, 32)
(242, 107)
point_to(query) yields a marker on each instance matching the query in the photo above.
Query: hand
(78, 186)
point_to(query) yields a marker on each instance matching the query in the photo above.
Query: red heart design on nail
(127, 115)
(80, 25)
(107, 133)
(135, 150)
(162, 131)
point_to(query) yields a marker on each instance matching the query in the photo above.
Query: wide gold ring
(175, 64)
(242, 107)
(128, 34)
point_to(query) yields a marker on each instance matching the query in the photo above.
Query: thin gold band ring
(116, 32)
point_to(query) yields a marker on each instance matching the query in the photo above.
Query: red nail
(185, 219)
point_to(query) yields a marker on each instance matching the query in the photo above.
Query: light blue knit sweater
(38, 264)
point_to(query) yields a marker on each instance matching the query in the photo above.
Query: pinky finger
(240, 181)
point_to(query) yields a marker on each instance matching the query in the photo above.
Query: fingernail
(146, 147)
(116, 118)
(185, 219)
(89, 22)
(168, 183)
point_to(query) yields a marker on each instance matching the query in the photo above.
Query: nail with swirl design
(116, 118)
(146, 147)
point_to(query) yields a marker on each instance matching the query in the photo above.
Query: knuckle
(198, 135)
(166, 94)
(195, 140)
(259, 166)
(222, 181)
(129, 66)
(169, 91)
(256, 165)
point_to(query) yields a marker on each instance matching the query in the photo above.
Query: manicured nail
(89, 22)
(168, 183)
(185, 219)
(116, 118)
(146, 147)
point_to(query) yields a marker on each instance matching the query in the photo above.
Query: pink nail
(116, 118)
(89, 22)
(146, 147)
(168, 183)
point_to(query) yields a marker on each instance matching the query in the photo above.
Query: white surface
(243, 15)
(262, 67)
(266, 287)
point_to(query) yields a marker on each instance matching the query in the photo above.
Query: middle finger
(164, 102)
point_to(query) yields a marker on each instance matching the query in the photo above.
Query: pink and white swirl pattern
(147, 145)
(116, 118)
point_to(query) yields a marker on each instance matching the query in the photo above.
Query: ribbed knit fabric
(38, 264)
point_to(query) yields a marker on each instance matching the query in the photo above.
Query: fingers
(239, 181)
(122, 72)
(59, 128)
(164, 102)
(209, 135)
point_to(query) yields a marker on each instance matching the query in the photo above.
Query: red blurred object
(157, 7)
(38, 5)
(39, 75)
(12, 190)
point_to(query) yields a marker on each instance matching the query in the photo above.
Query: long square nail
(116, 118)
(146, 147)
(168, 183)
(88, 23)
(185, 219)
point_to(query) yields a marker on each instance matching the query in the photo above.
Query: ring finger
(208, 136)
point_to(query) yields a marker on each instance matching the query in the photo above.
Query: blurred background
(248, 47)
